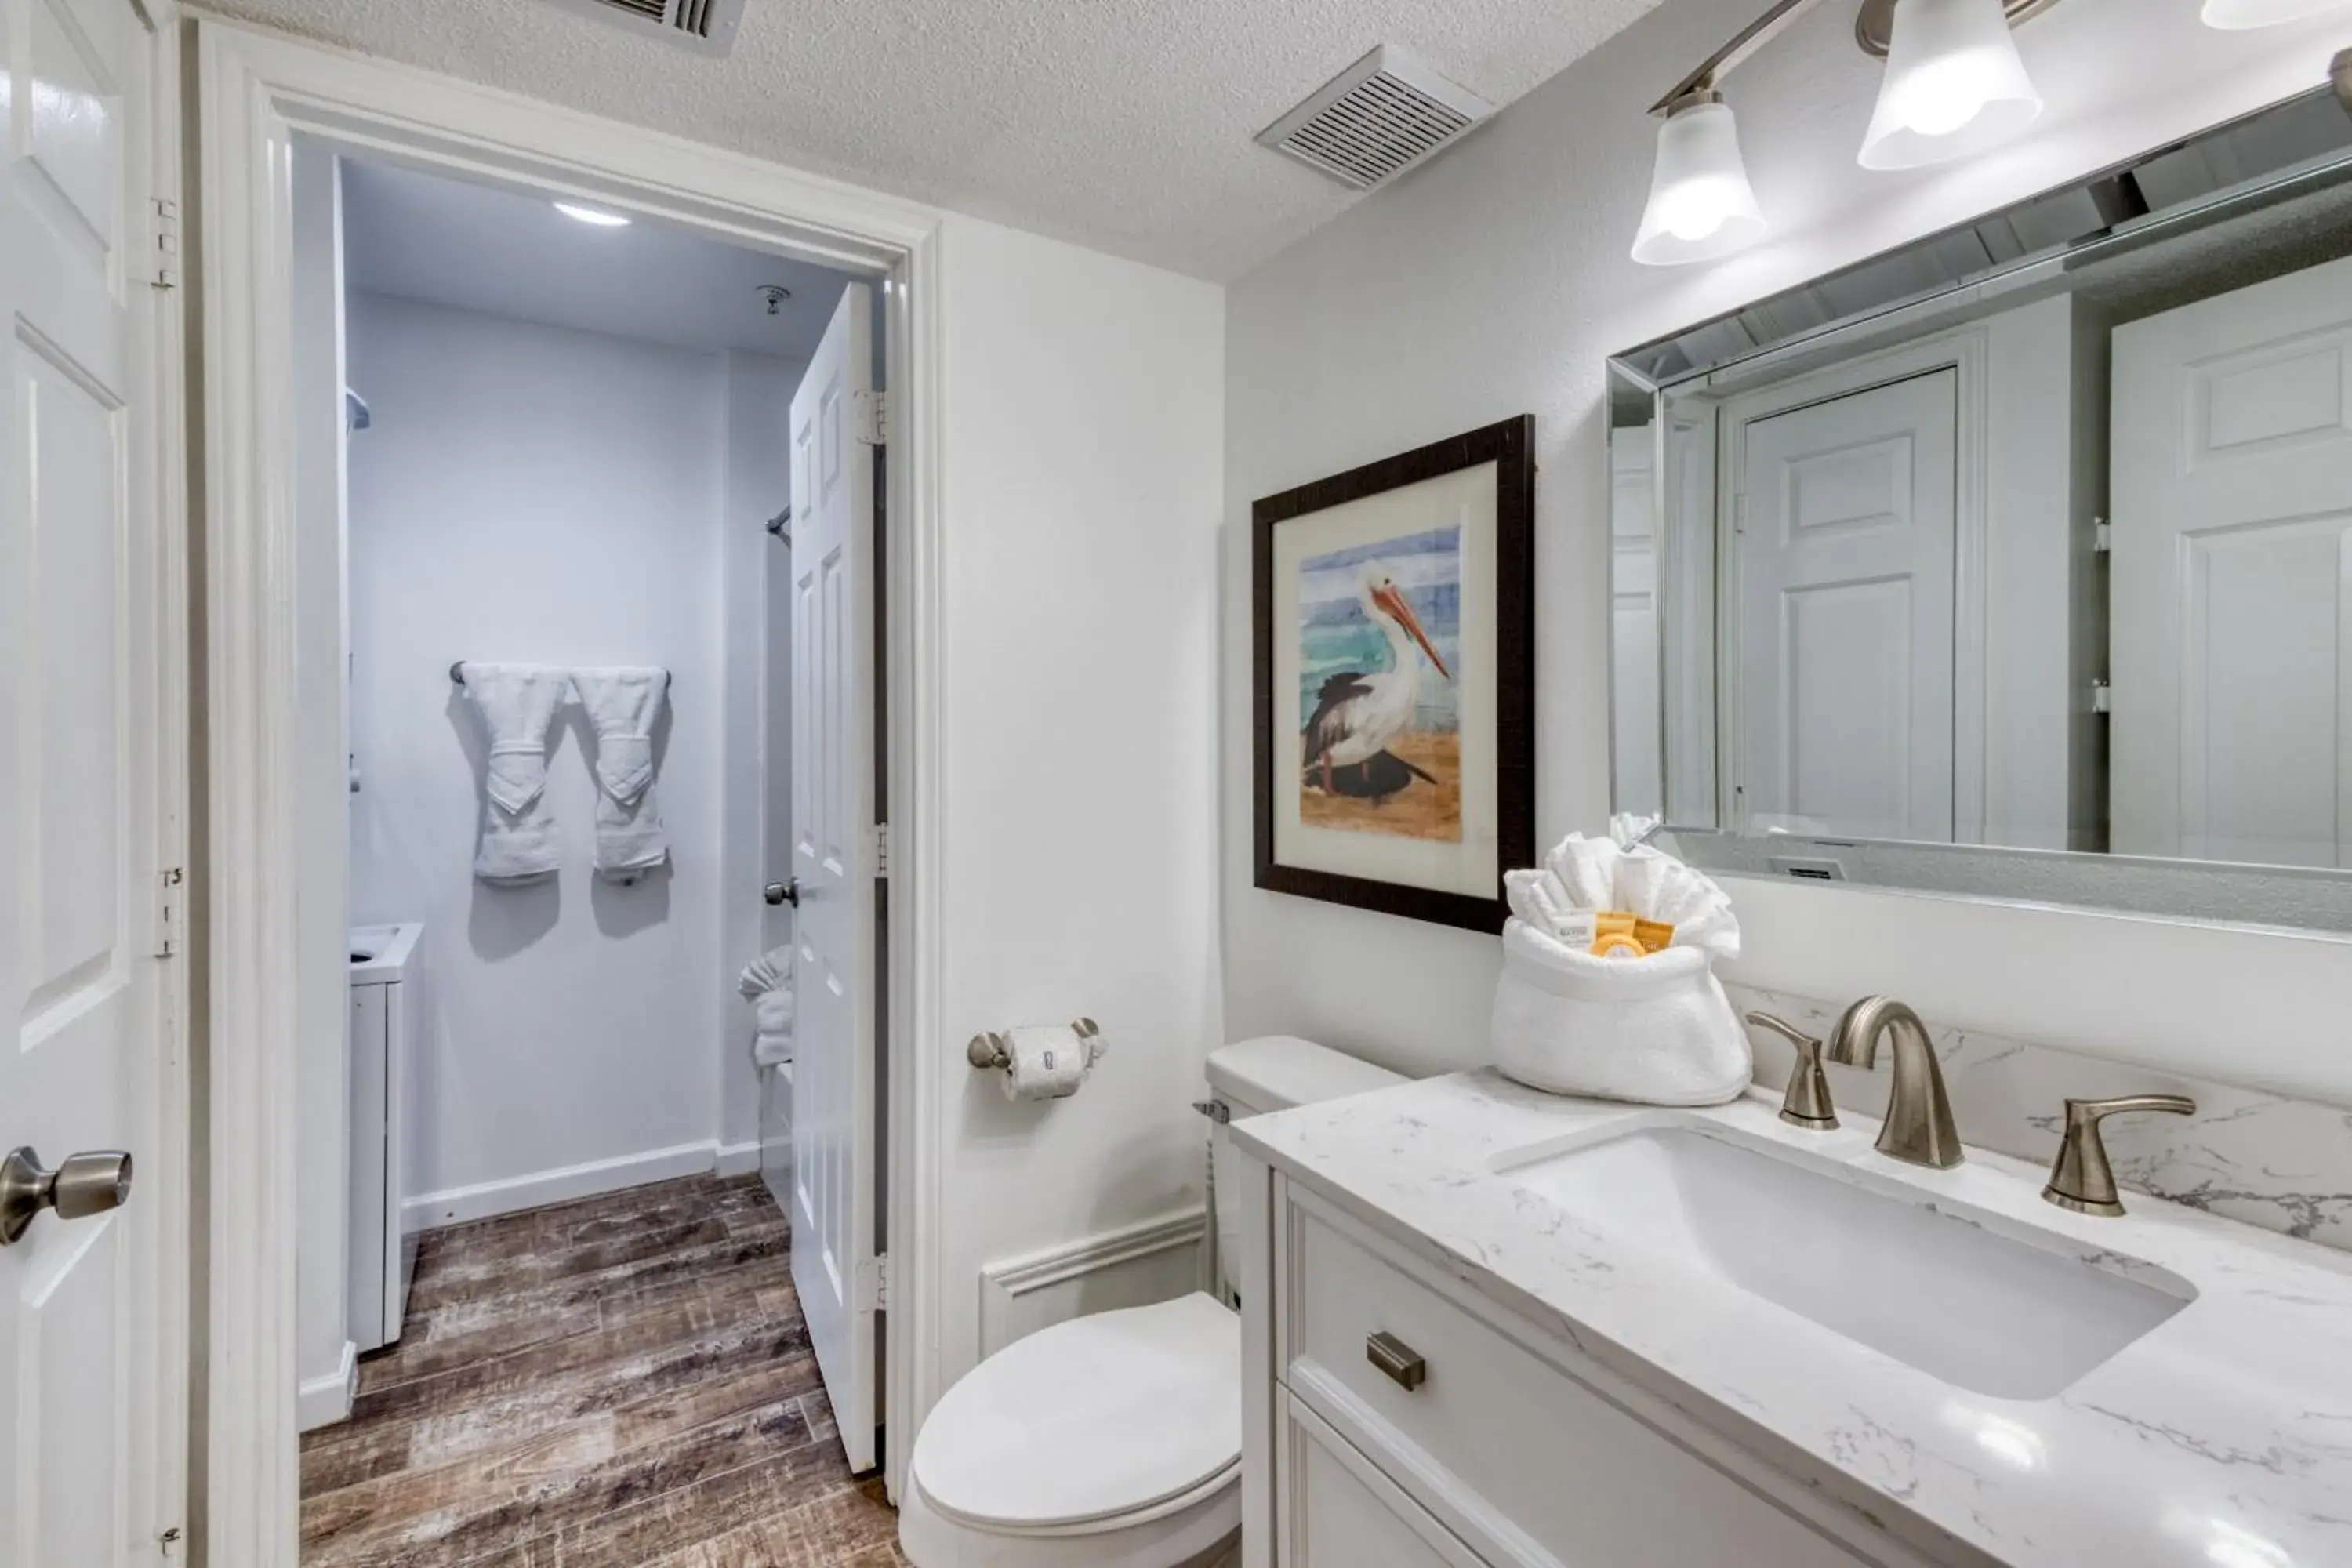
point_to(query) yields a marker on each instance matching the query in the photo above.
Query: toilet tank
(1275, 1072)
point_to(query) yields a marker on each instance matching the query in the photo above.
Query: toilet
(1113, 1440)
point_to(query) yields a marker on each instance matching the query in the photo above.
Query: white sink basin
(1976, 1300)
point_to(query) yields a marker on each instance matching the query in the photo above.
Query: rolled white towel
(771, 1049)
(769, 972)
(774, 1012)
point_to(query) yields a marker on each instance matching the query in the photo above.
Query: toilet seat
(1116, 1437)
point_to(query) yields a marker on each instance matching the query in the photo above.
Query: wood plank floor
(625, 1382)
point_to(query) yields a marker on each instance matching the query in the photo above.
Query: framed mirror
(2016, 564)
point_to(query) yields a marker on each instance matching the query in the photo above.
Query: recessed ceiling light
(593, 216)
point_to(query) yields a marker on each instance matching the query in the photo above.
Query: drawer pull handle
(1399, 1360)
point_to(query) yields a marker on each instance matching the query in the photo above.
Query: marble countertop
(2222, 1438)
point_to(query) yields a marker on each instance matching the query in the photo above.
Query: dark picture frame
(1279, 758)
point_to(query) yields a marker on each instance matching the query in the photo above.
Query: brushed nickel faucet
(1918, 1129)
(2081, 1179)
(1807, 1101)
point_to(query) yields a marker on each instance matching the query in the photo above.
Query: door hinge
(872, 410)
(167, 242)
(874, 1284)
(2102, 697)
(882, 851)
(1740, 513)
(2103, 536)
(170, 909)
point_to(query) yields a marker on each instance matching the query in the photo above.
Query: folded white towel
(1657, 887)
(769, 971)
(623, 705)
(516, 702)
(774, 1012)
(1658, 1032)
(1587, 868)
(769, 1048)
(1583, 873)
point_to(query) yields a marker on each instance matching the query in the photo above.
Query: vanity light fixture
(595, 218)
(1701, 205)
(1954, 85)
(2238, 15)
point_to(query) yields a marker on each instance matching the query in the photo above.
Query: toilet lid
(1100, 1417)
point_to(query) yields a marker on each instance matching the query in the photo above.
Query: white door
(835, 1131)
(1845, 544)
(2231, 578)
(89, 1376)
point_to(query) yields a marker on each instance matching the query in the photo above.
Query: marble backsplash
(2282, 1165)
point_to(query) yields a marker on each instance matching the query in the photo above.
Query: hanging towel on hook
(623, 705)
(516, 702)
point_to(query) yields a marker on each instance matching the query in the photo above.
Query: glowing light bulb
(1701, 206)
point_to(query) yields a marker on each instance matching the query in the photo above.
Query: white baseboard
(1134, 1266)
(324, 1400)
(739, 1159)
(429, 1211)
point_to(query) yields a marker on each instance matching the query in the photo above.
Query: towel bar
(457, 674)
(989, 1050)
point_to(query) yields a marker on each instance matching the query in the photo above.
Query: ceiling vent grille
(1377, 119)
(706, 26)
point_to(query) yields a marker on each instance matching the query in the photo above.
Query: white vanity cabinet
(1485, 1438)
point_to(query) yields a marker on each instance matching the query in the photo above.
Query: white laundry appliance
(386, 1012)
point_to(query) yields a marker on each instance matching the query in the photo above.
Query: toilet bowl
(1112, 1440)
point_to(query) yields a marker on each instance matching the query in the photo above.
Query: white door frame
(256, 90)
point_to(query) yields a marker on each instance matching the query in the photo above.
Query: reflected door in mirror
(2233, 485)
(1844, 524)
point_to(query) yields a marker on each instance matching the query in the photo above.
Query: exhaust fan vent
(1377, 119)
(706, 25)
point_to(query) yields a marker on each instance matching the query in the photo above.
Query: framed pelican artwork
(1395, 681)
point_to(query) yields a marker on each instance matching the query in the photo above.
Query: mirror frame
(2298, 147)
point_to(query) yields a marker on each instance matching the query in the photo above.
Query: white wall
(1083, 468)
(540, 495)
(322, 996)
(1497, 283)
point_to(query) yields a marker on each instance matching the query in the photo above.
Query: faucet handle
(1807, 1102)
(2081, 1179)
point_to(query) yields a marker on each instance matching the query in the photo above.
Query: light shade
(1954, 85)
(2237, 15)
(1701, 206)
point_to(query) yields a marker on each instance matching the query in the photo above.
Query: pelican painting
(1379, 751)
(1392, 680)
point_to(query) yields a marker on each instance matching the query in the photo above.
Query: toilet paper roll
(1044, 1062)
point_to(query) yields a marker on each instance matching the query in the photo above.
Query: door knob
(83, 1185)
(783, 893)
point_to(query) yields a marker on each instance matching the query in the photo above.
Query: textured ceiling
(423, 236)
(1125, 125)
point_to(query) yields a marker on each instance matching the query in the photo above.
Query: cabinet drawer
(1527, 1462)
(1339, 1511)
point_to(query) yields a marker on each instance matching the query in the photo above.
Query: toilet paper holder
(989, 1050)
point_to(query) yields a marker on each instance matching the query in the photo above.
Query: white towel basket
(1653, 1031)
